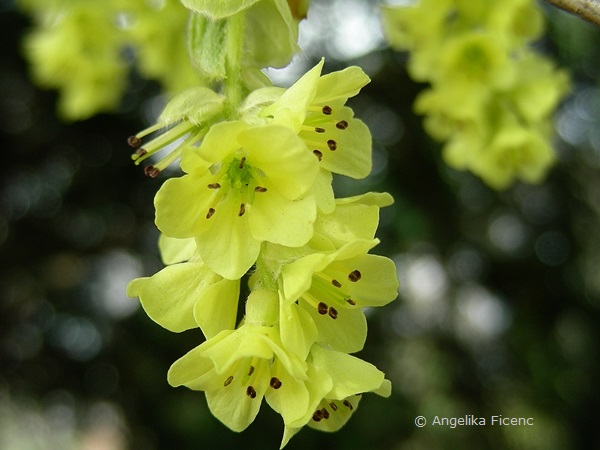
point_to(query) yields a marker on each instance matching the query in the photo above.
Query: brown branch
(586, 9)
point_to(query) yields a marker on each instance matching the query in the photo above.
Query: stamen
(162, 141)
(134, 141)
(341, 125)
(327, 110)
(348, 405)
(139, 153)
(260, 189)
(354, 276)
(318, 154)
(167, 137)
(149, 130)
(322, 308)
(332, 145)
(325, 413)
(275, 383)
(320, 130)
(333, 406)
(350, 301)
(317, 416)
(151, 171)
(336, 283)
(214, 186)
(242, 161)
(242, 210)
(251, 392)
(251, 371)
(333, 312)
(228, 381)
(210, 213)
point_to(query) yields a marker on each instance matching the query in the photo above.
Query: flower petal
(181, 206)
(344, 149)
(275, 219)
(168, 297)
(297, 329)
(297, 98)
(232, 404)
(297, 276)
(378, 283)
(291, 398)
(341, 84)
(193, 369)
(348, 222)
(228, 247)
(346, 333)
(282, 156)
(323, 192)
(216, 310)
(350, 375)
(245, 342)
(338, 413)
(174, 250)
(221, 141)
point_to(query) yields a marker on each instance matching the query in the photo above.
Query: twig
(586, 9)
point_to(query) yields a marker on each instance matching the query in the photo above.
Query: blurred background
(498, 308)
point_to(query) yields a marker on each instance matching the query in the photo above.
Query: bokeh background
(498, 310)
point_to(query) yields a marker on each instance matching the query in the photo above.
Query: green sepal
(206, 41)
(217, 9)
(196, 104)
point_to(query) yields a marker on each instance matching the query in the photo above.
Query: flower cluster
(256, 199)
(82, 49)
(491, 96)
(86, 50)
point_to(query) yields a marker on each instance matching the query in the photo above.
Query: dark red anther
(322, 308)
(341, 125)
(251, 392)
(151, 171)
(134, 141)
(354, 276)
(332, 312)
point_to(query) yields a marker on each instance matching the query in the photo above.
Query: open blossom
(348, 377)
(333, 288)
(314, 108)
(238, 368)
(188, 295)
(244, 185)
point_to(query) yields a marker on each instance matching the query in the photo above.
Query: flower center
(320, 129)
(234, 178)
(326, 286)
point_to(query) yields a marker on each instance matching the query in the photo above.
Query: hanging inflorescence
(256, 202)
